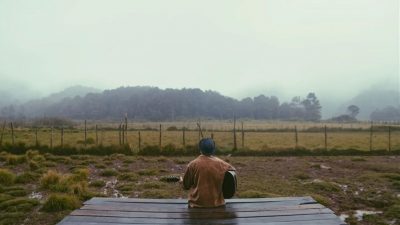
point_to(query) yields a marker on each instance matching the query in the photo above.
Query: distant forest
(151, 103)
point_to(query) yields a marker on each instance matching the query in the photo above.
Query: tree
(353, 110)
(312, 107)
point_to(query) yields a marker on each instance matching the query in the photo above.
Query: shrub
(80, 175)
(6, 177)
(33, 165)
(302, 176)
(155, 193)
(109, 173)
(31, 153)
(80, 189)
(153, 185)
(254, 194)
(26, 177)
(60, 202)
(49, 179)
(18, 204)
(148, 172)
(16, 159)
(97, 183)
(128, 176)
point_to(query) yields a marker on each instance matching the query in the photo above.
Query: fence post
(36, 137)
(234, 133)
(97, 137)
(119, 134)
(2, 132)
(51, 137)
(199, 131)
(85, 133)
(370, 136)
(62, 136)
(140, 139)
(12, 133)
(390, 144)
(183, 137)
(296, 137)
(160, 138)
(326, 139)
(212, 136)
(123, 133)
(126, 128)
(242, 136)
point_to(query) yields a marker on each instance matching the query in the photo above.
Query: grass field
(258, 135)
(41, 189)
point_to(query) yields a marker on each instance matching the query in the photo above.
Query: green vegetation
(60, 202)
(6, 177)
(342, 183)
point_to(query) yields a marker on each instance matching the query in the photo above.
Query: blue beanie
(207, 146)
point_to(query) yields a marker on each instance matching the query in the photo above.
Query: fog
(239, 48)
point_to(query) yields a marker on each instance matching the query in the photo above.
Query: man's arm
(187, 180)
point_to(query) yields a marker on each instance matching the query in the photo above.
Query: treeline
(151, 103)
(389, 113)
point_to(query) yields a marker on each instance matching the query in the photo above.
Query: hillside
(152, 103)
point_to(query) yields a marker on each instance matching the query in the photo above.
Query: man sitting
(204, 177)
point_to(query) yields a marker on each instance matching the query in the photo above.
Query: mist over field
(346, 52)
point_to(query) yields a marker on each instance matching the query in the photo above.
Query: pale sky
(239, 48)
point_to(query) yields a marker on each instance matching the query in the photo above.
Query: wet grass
(342, 183)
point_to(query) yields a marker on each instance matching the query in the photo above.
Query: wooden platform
(279, 211)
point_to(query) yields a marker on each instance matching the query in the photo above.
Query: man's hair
(207, 146)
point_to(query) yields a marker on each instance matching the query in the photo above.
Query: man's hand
(180, 180)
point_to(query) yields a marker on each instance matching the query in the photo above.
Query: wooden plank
(184, 208)
(199, 215)
(96, 200)
(296, 219)
(313, 222)
(229, 205)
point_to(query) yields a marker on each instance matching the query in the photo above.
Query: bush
(128, 176)
(50, 179)
(31, 153)
(109, 173)
(80, 175)
(26, 177)
(97, 183)
(148, 172)
(254, 194)
(6, 177)
(60, 202)
(16, 159)
(18, 204)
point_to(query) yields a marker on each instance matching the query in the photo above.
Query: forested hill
(151, 103)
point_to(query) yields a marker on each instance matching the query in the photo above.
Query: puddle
(36, 195)
(358, 214)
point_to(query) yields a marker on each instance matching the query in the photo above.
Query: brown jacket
(203, 178)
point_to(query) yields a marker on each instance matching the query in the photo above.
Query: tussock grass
(148, 172)
(131, 176)
(255, 194)
(16, 159)
(109, 173)
(18, 204)
(6, 177)
(156, 193)
(26, 177)
(97, 183)
(60, 202)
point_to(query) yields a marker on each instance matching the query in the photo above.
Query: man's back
(204, 177)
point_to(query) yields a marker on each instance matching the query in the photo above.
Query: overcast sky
(238, 48)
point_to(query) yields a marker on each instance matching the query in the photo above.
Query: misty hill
(373, 100)
(151, 103)
(70, 92)
(37, 107)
